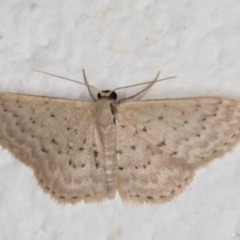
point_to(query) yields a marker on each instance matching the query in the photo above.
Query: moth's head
(107, 94)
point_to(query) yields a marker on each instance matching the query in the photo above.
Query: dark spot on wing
(75, 197)
(119, 152)
(75, 131)
(95, 153)
(136, 132)
(44, 150)
(71, 163)
(54, 141)
(173, 153)
(150, 197)
(97, 165)
(163, 143)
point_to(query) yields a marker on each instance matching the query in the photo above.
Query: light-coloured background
(120, 43)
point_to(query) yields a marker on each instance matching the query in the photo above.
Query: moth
(146, 150)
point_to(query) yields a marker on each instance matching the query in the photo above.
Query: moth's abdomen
(108, 142)
(107, 135)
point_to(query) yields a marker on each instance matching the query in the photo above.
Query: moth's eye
(99, 95)
(113, 95)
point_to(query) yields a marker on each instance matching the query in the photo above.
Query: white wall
(120, 43)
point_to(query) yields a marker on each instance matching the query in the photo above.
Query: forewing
(57, 138)
(161, 142)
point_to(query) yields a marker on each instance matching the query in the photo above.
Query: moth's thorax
(104, 112)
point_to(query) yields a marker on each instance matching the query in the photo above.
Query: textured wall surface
(121, 43)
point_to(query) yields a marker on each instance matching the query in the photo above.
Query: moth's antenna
(71, 80)
(145, 89)
(139, 84)
(88, 86)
